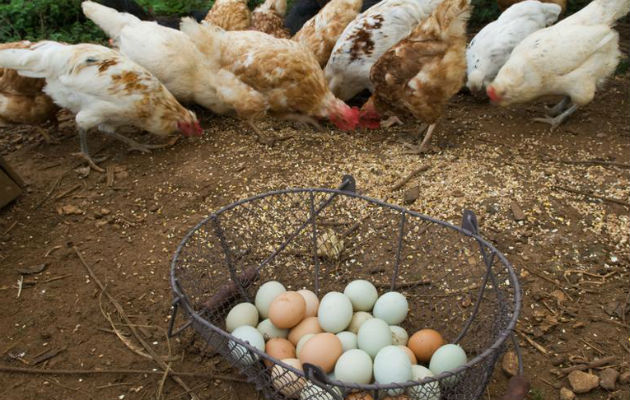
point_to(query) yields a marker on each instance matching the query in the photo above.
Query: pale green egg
(265, 295)
(354, 366)
(240, 315)
(362, 294)
(373, 336)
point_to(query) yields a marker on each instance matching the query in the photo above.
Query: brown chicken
(422, 72)
(503, 4)
(22, 100)
(269, 18)
(231, 15)
(321, 32)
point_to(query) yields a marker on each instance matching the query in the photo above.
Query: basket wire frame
(455, 281)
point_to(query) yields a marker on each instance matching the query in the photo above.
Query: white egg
(270, 331)
(392, 365)
(313, 392)
(399, 335)
(240, 315)
(348, 340)
(447, 358)
(428, 391)
(301, 342)
(373, 336)
(362, 294)
(239, 352)
(357, 320)
(392, 307)
(335, 312)
(354, 366)
(265, 295)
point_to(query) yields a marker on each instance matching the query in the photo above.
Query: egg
(308, 325)
(240, 353)
(348, 340)
(265, 295)
(412, 357)
(373, 336)
(287, 310)
(399, 335)
(241, 314)
(313, 392)
(428, 391)
(359, 396)
(300, 344)
(358, 318)
(424, 343)
(270, 331)
(447, 358)
(335, 312)
(392, 307)
(354, 366)
(285, 381)
(391, 365)
(322, 350)
(279, 349)
(312, 302)
(362, 294)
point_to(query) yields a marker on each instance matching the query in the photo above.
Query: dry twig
(593, 364)
(592, 195)
(409, 177)
(531, 341)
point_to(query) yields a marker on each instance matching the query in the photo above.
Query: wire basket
(321, 239)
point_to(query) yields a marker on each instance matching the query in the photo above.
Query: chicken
(505, 4)
(304, 10)
(491, 47)
(269, 18)
(285, 73)
(231, 15)
(189, 75)
(367, 38)
(571, 58)
(423, 71)
(22, 100)
(104, 89)
(321, 32)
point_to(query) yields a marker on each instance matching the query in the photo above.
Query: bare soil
(571, 248)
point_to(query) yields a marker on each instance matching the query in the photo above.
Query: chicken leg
(558, 119)
(141, 147)
(558, 108)
(427, 139)
(84, 153)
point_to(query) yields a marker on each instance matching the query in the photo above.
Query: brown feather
(231, 15)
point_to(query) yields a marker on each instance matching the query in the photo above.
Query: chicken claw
(141, 147)
(391, 121)
(558, 108)
(559, 119)
(89, 160)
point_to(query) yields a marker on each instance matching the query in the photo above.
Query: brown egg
(312, 302)
(412, 357)
(308, 325)
(322, 350)
(287, 382)
(280, 349)
(424, 343)
(287, 310)
(359, 396)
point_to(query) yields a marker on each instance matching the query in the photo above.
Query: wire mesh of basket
(321, 239)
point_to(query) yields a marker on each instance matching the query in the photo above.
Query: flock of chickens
(412, 56)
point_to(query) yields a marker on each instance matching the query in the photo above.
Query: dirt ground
(570, 247)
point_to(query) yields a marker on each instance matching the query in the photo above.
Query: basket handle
(319, 378)
(469, 222)
(518, 385)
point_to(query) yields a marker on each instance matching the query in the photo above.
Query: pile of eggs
(354, 336)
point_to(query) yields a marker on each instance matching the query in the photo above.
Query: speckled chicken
(231, 15)
(321, 32)
(422, 72)
(284, 72)
(104, 89)
(269, 18)
(22, 100)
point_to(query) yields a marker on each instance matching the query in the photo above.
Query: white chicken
(171, 56)
(491, 47)
(104, 89)
(571, 58)
(367, 38)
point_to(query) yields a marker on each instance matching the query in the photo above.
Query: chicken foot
(558, 119)
(84, 153)
(391, 121)
(558, 108)
(141, 147)
(302, 119)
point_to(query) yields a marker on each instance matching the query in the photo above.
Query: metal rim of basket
(181, 299)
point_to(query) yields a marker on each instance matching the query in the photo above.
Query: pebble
(517, 211)
(582, 382)
(509, 363)
(412, 194)
(608, 378)
(566, 394)
(557, 360)
(624, 378)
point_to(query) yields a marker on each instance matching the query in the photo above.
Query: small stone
(154, 207)
(557, 360)
(510, 363)
(517, 211)
(559, 295)
(412, 194)
(608, 378)
(457, 193)
(566, 394)
(582, 382)
(69, 209)
(624, 378)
